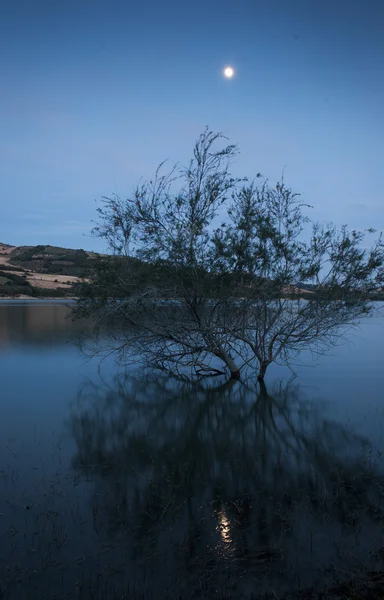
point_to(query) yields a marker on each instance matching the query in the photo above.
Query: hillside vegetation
(42, 271)
(51, 259)
(51, 271)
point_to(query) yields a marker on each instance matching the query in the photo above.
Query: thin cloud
(367, 207)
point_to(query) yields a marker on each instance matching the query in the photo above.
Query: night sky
(94, 94)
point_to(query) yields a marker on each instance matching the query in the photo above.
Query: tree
(188, 292)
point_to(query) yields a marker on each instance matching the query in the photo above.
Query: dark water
(114, 483)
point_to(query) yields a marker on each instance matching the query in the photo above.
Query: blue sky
(94, 94)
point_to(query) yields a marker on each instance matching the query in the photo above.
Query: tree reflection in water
(226, 487)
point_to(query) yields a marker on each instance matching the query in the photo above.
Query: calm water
(113, 482)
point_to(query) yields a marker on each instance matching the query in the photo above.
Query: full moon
(229, 72)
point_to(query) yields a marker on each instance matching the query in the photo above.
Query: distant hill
(42, 271)
(52, 259)
(52, 271)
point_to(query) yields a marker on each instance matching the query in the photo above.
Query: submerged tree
(185, 291)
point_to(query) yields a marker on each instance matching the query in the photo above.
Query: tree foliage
(210, 271)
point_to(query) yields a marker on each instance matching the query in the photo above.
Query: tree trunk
(263, 390)
(235, 374)
(263, 370)
(232, 366)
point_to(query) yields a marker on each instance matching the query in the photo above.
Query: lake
(128, 484)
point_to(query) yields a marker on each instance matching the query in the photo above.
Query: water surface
(133, 483)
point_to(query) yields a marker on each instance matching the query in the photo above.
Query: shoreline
(34, 299)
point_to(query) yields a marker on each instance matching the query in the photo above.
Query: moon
(229, 72)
